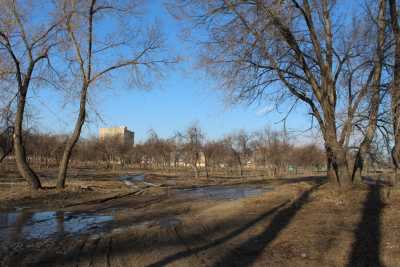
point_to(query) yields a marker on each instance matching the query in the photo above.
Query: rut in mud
(84, 235)
(298, 224)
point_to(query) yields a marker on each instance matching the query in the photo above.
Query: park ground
(177, 221)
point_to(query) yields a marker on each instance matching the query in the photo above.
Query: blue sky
(184, 96)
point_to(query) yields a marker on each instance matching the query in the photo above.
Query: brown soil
(303, 222)
(86, 185)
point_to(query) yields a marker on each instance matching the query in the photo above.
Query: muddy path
(304, 223)
(94, 187)
(175, 226)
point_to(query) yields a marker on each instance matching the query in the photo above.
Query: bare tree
(25, 45)
(165, 147)
(287, 51)
(308, 155)
(192, 147)
(43, 148)
(7, 129)
(239, 143)
(158, 150)
(273, 148)
(214, 155)
(93, 55)
(375, 92)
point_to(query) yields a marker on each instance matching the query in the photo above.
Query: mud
(25, 224)
(150, 218)
(223, 192)
(302, 222)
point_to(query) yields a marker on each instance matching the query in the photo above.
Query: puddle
(40, 225)
(23, 224)
(132, 178)
(223, 192)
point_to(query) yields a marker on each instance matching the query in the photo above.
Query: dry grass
(300, 223)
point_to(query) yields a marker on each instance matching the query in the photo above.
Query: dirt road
(294, 224)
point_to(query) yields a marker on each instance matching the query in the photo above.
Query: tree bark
(375, 98)
(337, 167)
(5, 154)
(20, 155)
(342, 169)
(337, 161)
(368, 137)
(358, 167)
(330, 172)
(9, 132)
(396, 162)
(395, 90)
(72, 140)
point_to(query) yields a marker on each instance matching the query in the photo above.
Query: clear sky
(184, 96)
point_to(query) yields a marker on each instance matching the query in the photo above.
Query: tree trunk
(72, 140)
(395, 89)
(196, 170)
(240, 170)
(5, 154)
(369, 135)
(20, 155)
(335, 151)
(337, 169)
(330, 172)
(375, 98)
(240, 165)
(396, 162)
(206, 169)
(358, 167)
(342, 169)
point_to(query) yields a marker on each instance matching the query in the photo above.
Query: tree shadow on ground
(219, 241)
(138, 245)
(247, 253)
(88, 250)
(365, 249)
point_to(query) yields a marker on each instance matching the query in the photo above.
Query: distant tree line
(266, 152)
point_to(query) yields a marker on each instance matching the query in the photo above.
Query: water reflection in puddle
(130, 179)
(35, 225)
(27, 225)
(223, 192)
